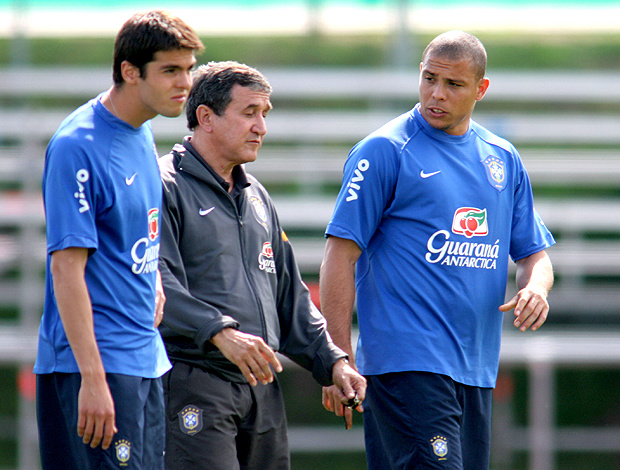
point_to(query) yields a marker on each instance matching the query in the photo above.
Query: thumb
(349, 391)
(512, 303)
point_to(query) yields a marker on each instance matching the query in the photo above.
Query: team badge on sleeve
(496, 172)
(440, 447)
(190, 420)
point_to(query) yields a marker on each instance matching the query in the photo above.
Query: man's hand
(530, 307)
(160, 300)
(534, 279)
(349, 387)
(250, 353)
(96, 415)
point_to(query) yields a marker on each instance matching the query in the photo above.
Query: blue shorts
(139, 407)
(419, 420)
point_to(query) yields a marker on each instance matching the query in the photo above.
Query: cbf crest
(260, 211)
(440, 447)
(190, 420)
(123, 452)
(496, 171)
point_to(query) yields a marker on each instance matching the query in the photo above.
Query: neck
(223, 168)
(120, 103)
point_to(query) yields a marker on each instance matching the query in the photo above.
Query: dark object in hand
(353, 402)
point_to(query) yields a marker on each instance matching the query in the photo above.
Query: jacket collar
(188, 160)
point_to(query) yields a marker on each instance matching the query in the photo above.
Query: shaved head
(459, 45)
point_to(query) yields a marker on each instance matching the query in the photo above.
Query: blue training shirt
(437, 217)
(102, 191)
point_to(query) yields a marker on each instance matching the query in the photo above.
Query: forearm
(96, 416)
(337, 290)
(337, 302)
(535, 271)
(75, 310)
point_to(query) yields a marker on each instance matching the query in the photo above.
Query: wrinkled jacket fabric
(225, 264)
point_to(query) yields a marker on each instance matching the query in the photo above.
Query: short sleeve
(370, 175)
(70, 190)
(529, 234)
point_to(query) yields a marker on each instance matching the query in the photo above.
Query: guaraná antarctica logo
(144, 254)
(265, 259)
(153, 215)
(469, 222)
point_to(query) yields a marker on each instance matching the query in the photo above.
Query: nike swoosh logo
(204, 212)
(428, 175)
(129, 181)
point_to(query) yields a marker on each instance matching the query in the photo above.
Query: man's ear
(130, 72)
(204, 116)
(483, 86)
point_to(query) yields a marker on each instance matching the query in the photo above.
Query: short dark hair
(147, 33)
(213, 83)
(457, 45)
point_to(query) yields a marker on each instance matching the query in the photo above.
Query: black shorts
(215, 424)
(139, 408)
(419, 420)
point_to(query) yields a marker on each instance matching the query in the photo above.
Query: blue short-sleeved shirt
(102, 191)
(437, 217)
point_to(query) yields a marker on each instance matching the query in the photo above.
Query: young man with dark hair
(235, 295)
(100, 356)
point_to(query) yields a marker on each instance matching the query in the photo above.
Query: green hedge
(574, 52)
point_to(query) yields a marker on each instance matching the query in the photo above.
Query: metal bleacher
(568, 134)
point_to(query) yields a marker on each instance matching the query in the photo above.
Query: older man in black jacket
(234, 292)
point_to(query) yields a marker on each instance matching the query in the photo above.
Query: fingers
(160, 300)
(350, 384)
(508, 306)
(258, 368)
(348, 418)
(254, 358)
(334, 401)
(110, 430)
(96, 429)
(530, 308)
(531, 313)
(325, 400)
(259, 359)
(96, 423)
(159, 314)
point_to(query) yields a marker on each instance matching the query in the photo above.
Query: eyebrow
(254, 105)
(174, 65)
(452, 80)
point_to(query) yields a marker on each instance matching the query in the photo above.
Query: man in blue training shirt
(431, 208)
(100, 356)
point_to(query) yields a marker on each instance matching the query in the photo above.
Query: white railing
(307, 147)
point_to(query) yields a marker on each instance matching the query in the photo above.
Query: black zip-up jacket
(227, 263)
